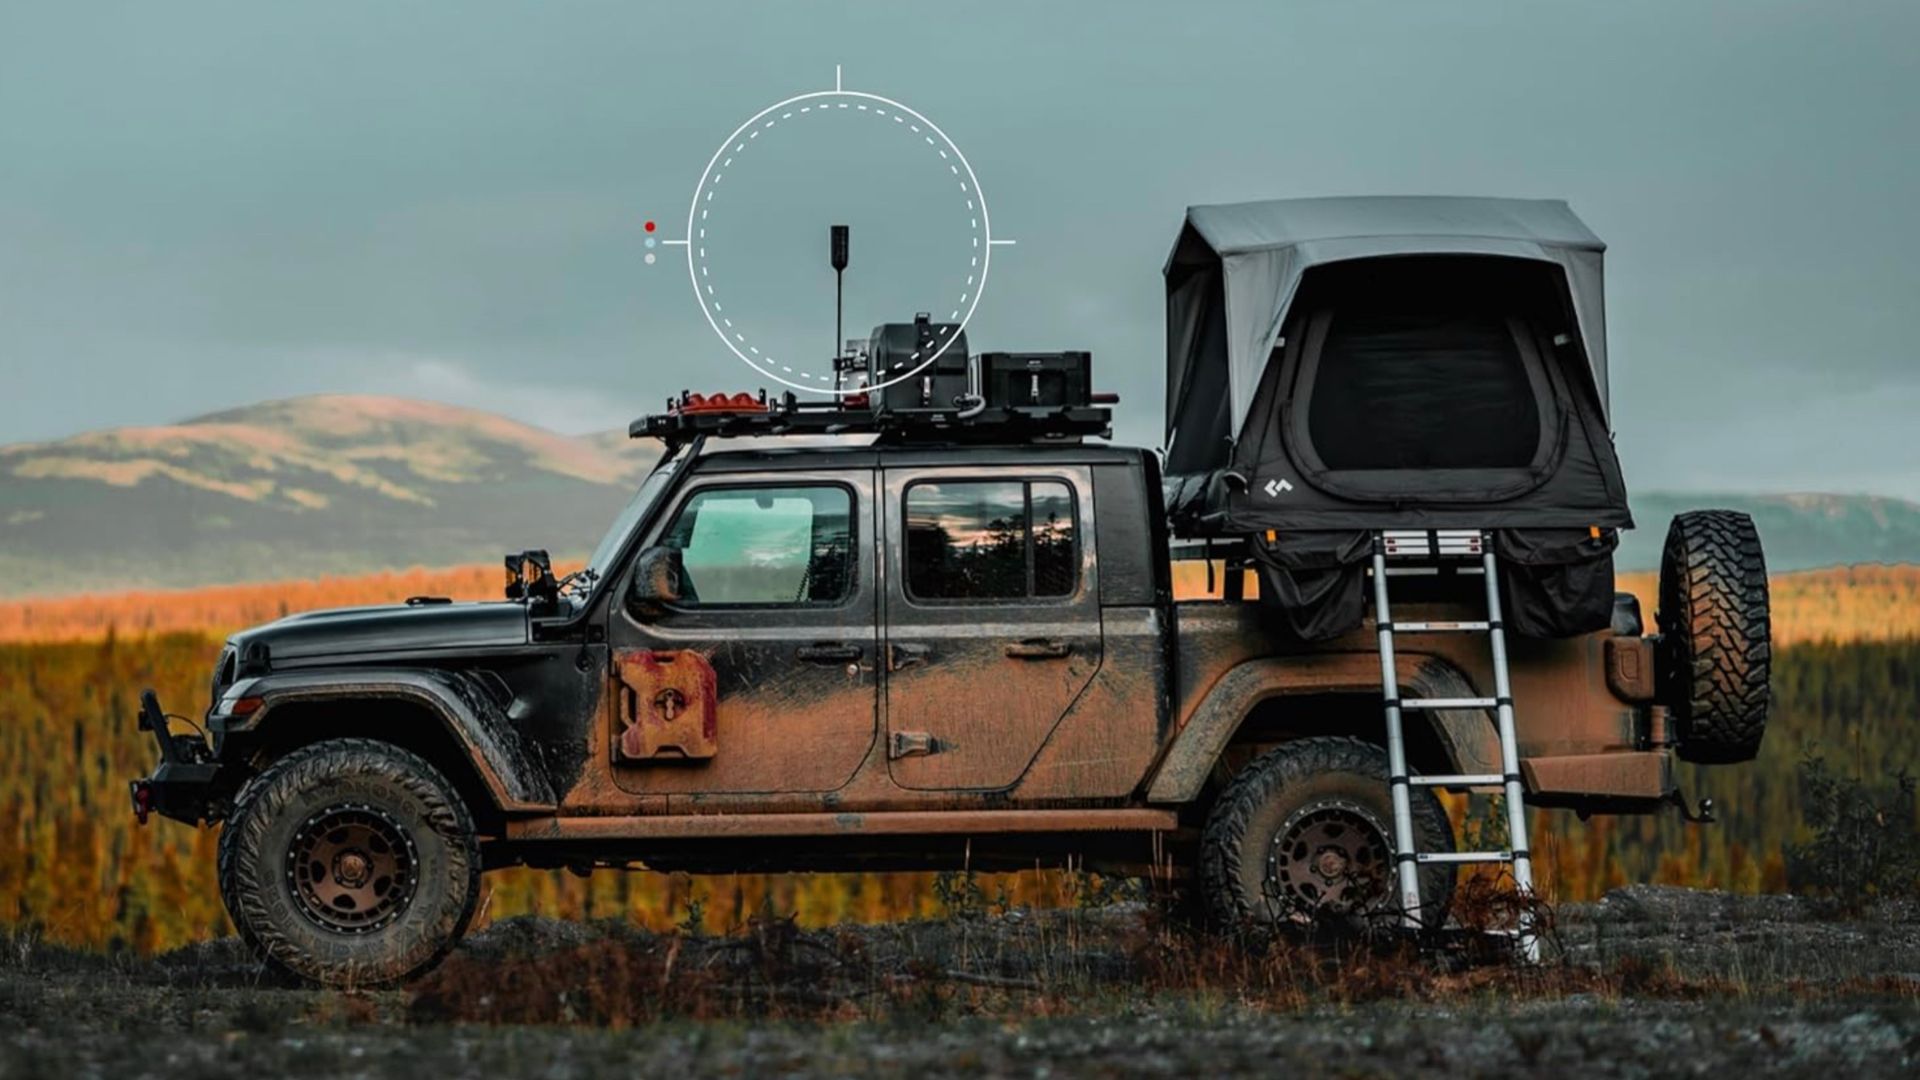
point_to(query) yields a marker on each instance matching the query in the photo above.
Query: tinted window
(1055, 563)
(770, 545)
(990, 540)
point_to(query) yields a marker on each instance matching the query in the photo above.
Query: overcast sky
(204, 205)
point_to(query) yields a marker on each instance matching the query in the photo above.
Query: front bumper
(185, 784)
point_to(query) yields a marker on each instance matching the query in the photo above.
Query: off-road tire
(223, 864)
(1716, 647)
(1247, 818)
(257, 875)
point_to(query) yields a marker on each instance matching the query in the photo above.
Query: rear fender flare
(513, 777)
(1466, 737)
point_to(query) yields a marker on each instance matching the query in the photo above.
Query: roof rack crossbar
(787, 415)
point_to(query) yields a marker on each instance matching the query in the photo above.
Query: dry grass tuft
(1016, 967)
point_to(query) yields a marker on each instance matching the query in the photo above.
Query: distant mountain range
(1798, 531)
(348, 484)
(300, 488)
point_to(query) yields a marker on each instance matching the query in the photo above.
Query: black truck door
(992, 618)
(761, 677)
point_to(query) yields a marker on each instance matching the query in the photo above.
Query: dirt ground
(1648, 982)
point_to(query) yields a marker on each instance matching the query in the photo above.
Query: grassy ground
(1649, 981)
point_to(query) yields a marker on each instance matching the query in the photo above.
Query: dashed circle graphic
(738, 144)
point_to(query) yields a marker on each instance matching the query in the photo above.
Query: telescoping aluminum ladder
(1444, 546)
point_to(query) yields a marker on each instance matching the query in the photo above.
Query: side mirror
(656, 580)
(530, 577)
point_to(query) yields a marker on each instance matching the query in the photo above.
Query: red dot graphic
(649, 226)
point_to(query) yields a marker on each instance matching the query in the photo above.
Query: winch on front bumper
(182, 786)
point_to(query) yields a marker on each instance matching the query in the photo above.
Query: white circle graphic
(737, 144)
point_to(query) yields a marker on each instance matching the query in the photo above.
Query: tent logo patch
(1275, 487)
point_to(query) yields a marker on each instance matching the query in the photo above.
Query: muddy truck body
(943, 634)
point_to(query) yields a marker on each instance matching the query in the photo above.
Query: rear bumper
(1619, 781)
(185, 784)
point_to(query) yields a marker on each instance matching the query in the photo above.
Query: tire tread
(1715, 623)
(1224, 842)
(266, 795)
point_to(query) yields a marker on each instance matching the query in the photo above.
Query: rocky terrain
(1649, 981)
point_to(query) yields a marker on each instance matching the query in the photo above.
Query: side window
(765, 545)
(990, 540)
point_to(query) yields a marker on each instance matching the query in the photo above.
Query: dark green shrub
(1865, 844)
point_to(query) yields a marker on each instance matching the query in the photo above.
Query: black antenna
(838, 255)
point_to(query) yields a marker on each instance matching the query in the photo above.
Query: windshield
(601, 562)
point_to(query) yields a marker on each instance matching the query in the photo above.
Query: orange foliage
(1869, 602)
(222, 609)
(75, 868)
(72, 865)
(1839, 604)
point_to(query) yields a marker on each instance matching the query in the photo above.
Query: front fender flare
(508, 767)
(1466, 737)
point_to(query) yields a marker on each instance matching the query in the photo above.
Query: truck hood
(391, 628)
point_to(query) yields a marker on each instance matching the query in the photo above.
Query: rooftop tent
(1341, 365)
(1364, 362)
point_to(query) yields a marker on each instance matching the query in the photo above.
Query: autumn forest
(74, 867)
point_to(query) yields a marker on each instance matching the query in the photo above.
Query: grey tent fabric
(1417, 391)
(1338, 366)
(1235, 268)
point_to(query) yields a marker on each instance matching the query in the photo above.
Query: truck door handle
(905, 656)
(828, 652)
(1038, 649)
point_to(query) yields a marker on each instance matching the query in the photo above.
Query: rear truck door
(761, 678)
(992, 618)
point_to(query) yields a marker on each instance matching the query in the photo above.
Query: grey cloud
(203, 204)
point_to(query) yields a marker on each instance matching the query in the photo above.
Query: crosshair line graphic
(702, 209)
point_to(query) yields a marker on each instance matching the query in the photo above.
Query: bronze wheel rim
(352, 869)
(1329, 858)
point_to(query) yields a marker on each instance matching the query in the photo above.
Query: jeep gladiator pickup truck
(902, 652)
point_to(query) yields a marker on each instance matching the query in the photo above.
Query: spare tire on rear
(1715, 639)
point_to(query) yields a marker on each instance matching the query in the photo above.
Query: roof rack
(737, 415)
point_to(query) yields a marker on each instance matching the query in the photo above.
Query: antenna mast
(838, 255)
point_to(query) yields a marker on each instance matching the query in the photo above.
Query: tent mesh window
(1422, 390)
(1418, 363)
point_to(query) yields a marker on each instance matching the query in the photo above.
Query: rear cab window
(991, 540)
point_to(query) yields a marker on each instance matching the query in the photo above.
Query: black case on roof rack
(1028, 379)
(898, 348)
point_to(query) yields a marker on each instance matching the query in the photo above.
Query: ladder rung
(1449, 703)
(1425, 544)
(1457, 780)
(1439, 627)
(1464, 856)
